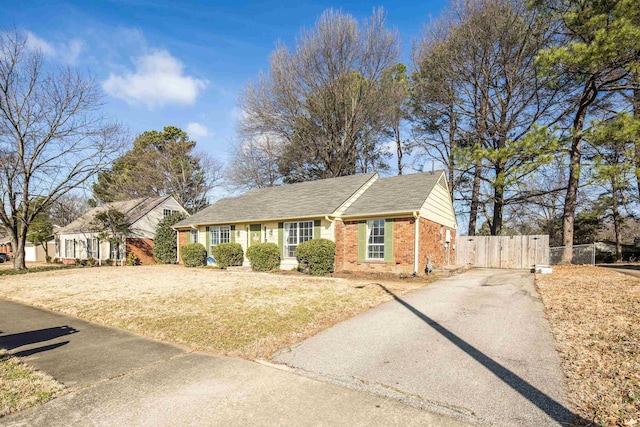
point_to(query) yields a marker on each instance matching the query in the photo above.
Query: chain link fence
(581, 254)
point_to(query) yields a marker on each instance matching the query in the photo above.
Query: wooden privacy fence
(502, 251)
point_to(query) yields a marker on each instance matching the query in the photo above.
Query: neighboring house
(79, 240)
(36, 253)
(396, 224)
(5, 243)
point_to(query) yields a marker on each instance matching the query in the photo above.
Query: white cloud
(158, 80)
(237, 113)
(196, 130)
(68, 52)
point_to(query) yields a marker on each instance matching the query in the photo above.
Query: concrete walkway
(476, 346)
(117, 378)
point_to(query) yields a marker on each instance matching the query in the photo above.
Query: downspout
(416, 245)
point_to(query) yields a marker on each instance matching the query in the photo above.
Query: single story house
(5, 243)
(32, 253)
(79, 240)
(397, 224)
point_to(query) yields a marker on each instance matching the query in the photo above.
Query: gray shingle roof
(302, 200)
(133, 209)
(403, 193)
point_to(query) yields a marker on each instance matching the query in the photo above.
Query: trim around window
(375, 239)
(294, 234)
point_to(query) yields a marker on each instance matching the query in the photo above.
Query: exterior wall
(35, 253)
(269, 234)
(143, 248)
(81, 249)
(146, 226)
(433, 244)
(6, 248)
(182, 240)
(438, 207)
(346, 236)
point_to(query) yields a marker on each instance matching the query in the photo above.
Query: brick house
(78, 240)
(397, 224)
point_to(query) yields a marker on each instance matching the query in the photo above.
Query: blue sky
(183, 63)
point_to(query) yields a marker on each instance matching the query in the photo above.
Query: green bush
(264, 256)
(193, 255)
(132, 259)
(228, 254)
(91, 262)
(316, 256)
(164, 242)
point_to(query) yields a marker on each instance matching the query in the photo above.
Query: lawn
(245, 314)
(21, 386)
(595, 317)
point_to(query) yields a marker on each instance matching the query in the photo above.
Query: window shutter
(207, 239)
(232, 234)
(362, 240)
(388, 240)
(281, 238)
(317, 231)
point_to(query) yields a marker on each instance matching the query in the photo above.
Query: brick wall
(432, 243)
(143, 248)
(182, 240)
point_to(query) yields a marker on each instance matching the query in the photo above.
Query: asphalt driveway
(476, 346)
(115, 378)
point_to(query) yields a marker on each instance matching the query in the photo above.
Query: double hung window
(69, 249)
(194, 236)
(294, 234)
(375, 239)
(217, 235)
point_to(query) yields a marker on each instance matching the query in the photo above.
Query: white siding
(81, 246)
(438, 207)
(146, 226)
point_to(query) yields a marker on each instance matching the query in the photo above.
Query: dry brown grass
(21, 386)
(595, 317)
(251, 315)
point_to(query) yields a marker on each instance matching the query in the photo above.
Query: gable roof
(133, 209)
(302, 200)
(402, 193)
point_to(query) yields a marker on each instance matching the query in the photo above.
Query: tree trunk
(475, 202)
(396, 133)
(589, 94)
(498, 204)
(18, 254)
(636, 115)
(617, 224)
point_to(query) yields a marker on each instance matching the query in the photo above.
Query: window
(69, 249)
(375, 239)
(114, 250)
(194, 236)
(92, 248)
(219, 235)
(168, 212)
(294, 234)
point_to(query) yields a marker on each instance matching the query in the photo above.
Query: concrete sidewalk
(117, 378)
(475, 345)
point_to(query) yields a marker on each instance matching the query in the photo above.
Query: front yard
(595, 317)
(245, 314)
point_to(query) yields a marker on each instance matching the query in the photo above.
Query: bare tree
(52, 135)
(254, 163)
(323, 99)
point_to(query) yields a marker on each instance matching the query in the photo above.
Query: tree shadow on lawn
(547, 404)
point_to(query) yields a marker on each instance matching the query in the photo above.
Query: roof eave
(256, 220)
(394, 214)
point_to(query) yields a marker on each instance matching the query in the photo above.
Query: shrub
(48, 259)
(91, 262)
(228, 254)
(56, 260)
(108, 261)
(193, 255)
(264, 256)
(316, 256)
(164, 242)
(132, 259)
(78, 261)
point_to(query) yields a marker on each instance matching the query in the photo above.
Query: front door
(255, 234)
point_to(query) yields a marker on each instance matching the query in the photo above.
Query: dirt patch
(21, 386)
(251, 315)
(595, 317)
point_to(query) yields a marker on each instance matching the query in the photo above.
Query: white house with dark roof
(79, 240)
(397, 224)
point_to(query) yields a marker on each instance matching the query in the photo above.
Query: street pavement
(476, 346)
(116, 378)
